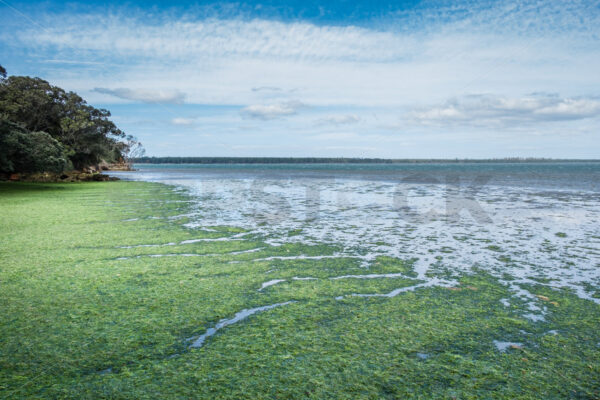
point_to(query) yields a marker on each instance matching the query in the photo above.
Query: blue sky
(414, 79)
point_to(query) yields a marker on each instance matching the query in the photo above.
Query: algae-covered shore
(104, 291)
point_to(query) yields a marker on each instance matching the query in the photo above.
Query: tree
(2, 72)
(32, 103)
(24, 151)
(132, 149)
(87, 134)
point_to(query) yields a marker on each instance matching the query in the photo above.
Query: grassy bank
(103, 289)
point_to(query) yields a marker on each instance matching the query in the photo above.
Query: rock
(122, 166)
(101, 177)
(68, 176)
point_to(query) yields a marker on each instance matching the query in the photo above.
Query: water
(239, 316)
(503, 346)
(583, 175)
(522, 222)
(270, 283)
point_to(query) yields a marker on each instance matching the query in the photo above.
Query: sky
(390, 79)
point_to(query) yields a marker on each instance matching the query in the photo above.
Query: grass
(79, 321)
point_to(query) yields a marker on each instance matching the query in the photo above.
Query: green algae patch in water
(87, 312)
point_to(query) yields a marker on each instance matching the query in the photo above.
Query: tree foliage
(86, 134)
(24, 151)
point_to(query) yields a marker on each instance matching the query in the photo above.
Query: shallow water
(503, 346)
(270, 283)
(236, 318)
(533, 223)
(396, 292)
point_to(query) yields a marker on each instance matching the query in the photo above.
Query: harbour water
(533, 222)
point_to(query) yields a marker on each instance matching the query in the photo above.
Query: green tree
(24, 151)
(86, 133)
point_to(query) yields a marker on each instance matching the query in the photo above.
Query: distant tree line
(43, 128)
(324, 160)
(255, 160)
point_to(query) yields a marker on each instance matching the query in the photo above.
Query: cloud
(379, 71)
(338, 119)
(73, 62)
(272, 111)
(428, 56)
(145, 95)
(500, 111)
(142, 34)
(183, 121)
(267, 88)
(210, 38)
(337, 136)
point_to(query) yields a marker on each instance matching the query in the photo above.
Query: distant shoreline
(323, 160)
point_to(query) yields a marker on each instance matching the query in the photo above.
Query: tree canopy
(24, 151)
(42, 120)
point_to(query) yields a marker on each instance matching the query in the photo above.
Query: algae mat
(107, 291)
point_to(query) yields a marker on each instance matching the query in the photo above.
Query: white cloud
(183, 121)
(496, 49)
(500, 111)
(212, 38)
(73, 62)
(337, 136)
(409, 65)
(267, 89)
(145, 95)
(272, 111)
(341, 119)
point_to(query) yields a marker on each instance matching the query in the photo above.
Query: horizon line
(283, 160)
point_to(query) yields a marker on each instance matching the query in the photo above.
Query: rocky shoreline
(48, 177)
(90, 174)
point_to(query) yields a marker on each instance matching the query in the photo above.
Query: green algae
(79, 322)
